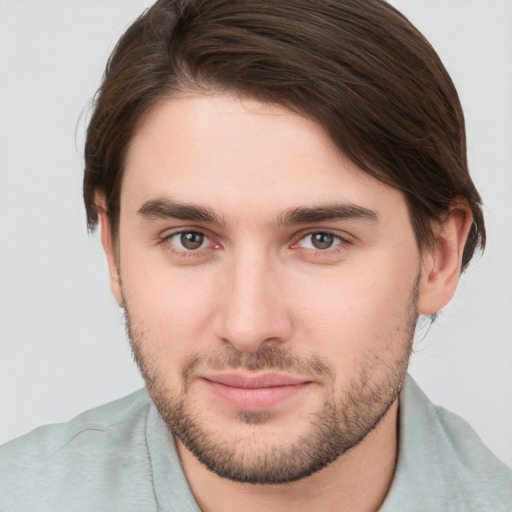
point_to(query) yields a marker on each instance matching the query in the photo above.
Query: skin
(257, 296)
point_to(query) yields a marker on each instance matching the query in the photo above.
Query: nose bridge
(253, 311)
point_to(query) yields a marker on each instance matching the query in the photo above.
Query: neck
(358, 480)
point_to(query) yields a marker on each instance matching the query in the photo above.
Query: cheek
(356, 311)
(172, 307)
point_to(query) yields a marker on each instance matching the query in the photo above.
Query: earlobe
(442, 264)
(109, 248)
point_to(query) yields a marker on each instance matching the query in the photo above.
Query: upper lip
(262, 380)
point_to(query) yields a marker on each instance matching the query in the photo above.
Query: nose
(252, 309)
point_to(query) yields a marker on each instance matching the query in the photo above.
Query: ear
(109, 248)
(441, 264)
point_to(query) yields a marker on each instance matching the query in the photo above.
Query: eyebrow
(155, 209)
(168, 209)
(330, 212)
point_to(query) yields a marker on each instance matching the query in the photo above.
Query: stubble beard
(341, 423)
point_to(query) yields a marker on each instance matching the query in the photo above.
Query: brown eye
(322, 240)
(187, 240)
(191, 240)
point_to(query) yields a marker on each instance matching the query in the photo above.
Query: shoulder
(474, 471)
(442, 463)
(78, 458)
(107, 423)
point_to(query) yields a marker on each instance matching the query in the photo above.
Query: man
(282, 189)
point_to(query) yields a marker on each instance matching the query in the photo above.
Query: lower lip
(255, 399)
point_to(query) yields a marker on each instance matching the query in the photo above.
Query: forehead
(240, 155)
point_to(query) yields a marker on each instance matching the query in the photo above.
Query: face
(270, 286)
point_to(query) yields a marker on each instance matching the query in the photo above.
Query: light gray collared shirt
(120, 457)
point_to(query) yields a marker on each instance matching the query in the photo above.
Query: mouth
(254, 392)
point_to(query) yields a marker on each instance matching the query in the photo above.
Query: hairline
(188, 87)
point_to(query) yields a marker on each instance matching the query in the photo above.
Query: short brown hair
(360, 69)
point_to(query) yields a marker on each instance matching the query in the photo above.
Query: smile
(254, 393)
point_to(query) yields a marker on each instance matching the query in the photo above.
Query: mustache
(269, 358)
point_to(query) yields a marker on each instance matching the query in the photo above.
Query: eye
(320, 241)
(188, 240)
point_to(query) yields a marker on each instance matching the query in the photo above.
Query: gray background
(62, 342)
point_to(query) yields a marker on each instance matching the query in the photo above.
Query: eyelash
(166, 240)
(340, 246)
(342, 242)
